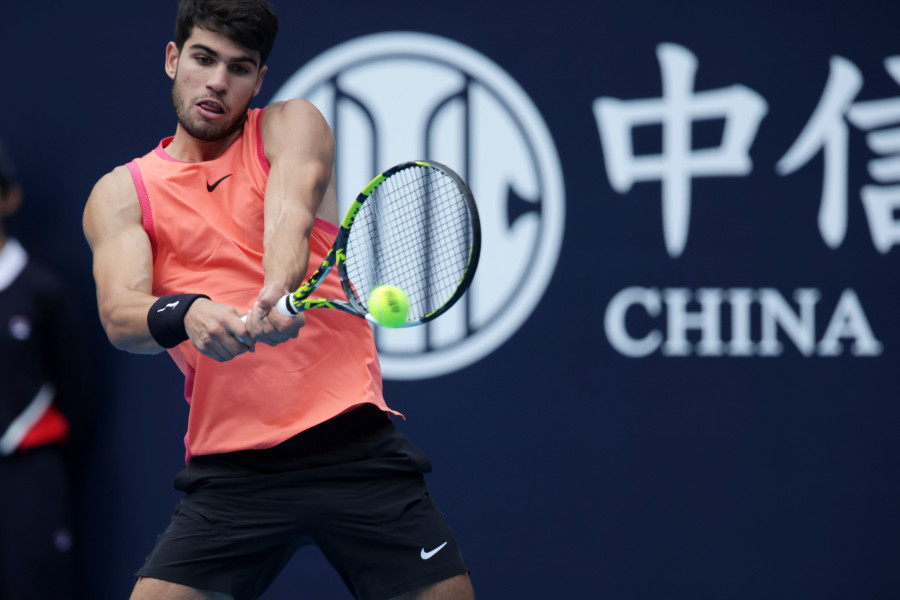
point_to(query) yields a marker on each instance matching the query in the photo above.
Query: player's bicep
(122, 259)
(113, 226)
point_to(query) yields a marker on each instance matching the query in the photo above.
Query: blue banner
(673, 375)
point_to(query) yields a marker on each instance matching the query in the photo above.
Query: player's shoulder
(299, 106)
(294, 112)
(112, 205)
(295, 126)
(115, 184)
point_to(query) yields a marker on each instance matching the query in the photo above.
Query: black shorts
(353, 486)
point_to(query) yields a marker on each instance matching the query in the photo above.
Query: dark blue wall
(568, 468)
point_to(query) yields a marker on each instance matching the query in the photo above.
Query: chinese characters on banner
(743, 110)
(678, 163)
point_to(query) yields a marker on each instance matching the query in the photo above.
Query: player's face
(214, 81)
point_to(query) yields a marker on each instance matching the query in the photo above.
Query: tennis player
(289, 441)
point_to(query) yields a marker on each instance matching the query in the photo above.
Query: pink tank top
(205, 223)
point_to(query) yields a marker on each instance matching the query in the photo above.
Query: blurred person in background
(43, 394)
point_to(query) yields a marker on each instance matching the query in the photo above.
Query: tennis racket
(414, 226)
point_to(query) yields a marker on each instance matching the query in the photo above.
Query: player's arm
(123, 272)
(299, 146)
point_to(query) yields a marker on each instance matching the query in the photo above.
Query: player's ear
(172, 55)
(259, 79)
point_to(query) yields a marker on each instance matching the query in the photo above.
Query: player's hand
(266, 324)
(217, 331)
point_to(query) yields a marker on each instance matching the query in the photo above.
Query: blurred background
(675, 376)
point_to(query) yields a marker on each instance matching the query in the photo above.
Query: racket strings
(413, 232)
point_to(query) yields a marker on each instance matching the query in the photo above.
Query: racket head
(416, 227)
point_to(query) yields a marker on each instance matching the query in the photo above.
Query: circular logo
(394, 97)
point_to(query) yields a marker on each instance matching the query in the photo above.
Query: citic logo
(393, 97)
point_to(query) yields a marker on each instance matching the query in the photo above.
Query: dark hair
(248, 23)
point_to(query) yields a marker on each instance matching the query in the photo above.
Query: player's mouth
(211, 109)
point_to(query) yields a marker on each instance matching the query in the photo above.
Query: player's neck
(187, 148)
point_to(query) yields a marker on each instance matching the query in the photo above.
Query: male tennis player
(288, 442)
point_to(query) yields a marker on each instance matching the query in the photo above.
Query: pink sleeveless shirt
(205, 223)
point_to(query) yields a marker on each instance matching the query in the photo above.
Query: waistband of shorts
(332, 433)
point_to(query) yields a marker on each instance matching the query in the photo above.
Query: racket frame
(298, 301)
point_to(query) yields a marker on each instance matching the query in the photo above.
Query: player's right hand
(266, 324)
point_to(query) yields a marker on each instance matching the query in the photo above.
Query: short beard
(198, 132)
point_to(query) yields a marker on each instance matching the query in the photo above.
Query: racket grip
(285, 307)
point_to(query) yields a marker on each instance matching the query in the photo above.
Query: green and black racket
(416, 227)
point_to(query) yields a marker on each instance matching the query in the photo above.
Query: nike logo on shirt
(426, 555)
(210, 188)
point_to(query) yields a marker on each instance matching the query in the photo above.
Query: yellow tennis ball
(389, 305)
